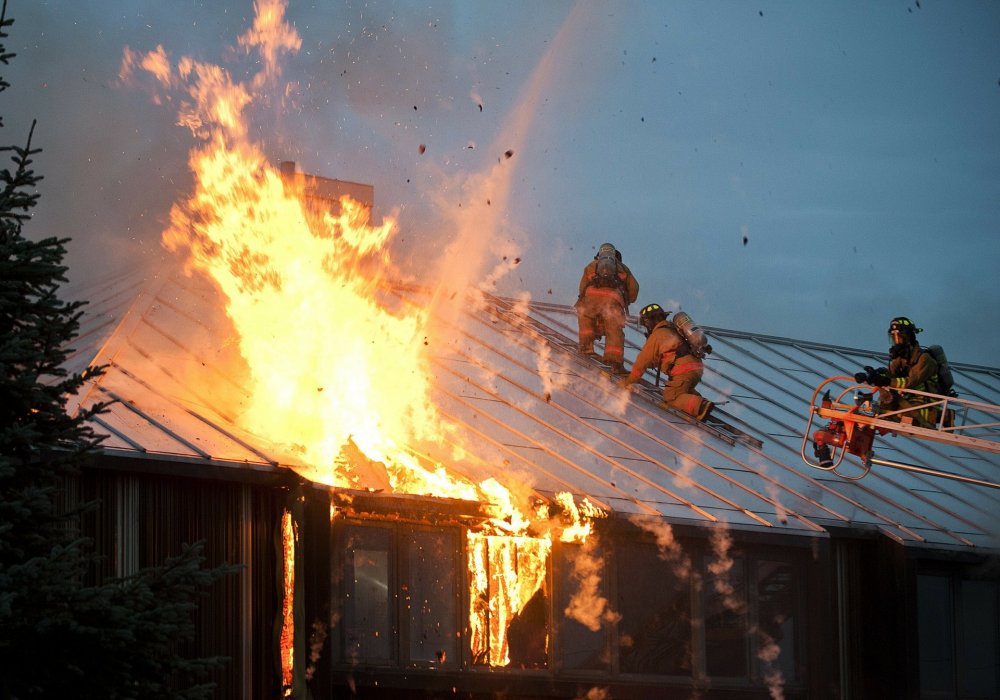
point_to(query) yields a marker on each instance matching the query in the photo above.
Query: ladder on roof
(853, 426)
(715, 423)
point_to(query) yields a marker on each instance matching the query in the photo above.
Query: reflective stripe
(686, 367)
(609, 292)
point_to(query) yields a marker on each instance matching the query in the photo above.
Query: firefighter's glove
(877, 377)
(879, 380)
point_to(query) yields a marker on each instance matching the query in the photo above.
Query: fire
(336, 373)
(288, 539)
(328, 363)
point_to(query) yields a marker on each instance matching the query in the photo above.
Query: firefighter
(607, 287)
(910, 367)
(670, 352)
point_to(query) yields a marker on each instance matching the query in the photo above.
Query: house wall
(382, 608)
(678, 632)
(146, 515)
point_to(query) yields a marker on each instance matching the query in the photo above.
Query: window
(655, 605)
(400, 594)
(958, 623)
(431, 596)
(778, 619)
(726, 625)
(369, 595)
(752, 610)
(580, 580)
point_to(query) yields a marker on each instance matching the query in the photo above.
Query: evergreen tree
(60, 638)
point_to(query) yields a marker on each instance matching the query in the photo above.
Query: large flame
(337, 375)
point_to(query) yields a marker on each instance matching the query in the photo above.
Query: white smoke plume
(587, 606)
(720, 569)
(769, 652)
(670, 549)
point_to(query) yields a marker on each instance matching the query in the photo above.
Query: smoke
(768, 652)
(721, 567)
(474, 206)
(587, 606)
(670, 549)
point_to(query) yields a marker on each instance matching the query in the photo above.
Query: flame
(287, 639)
(337, 374)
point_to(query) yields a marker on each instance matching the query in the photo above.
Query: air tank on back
(694, 336)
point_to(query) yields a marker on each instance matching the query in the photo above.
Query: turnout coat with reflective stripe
(667, 350)
(627, 290)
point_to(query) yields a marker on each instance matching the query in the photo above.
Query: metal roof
(535, 412)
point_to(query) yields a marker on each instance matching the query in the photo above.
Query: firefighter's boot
(706, 410)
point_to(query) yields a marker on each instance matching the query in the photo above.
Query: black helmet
(650, 315)
(905, 327)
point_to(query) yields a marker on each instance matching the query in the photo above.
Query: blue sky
(800, 169)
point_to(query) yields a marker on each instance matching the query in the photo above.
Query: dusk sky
(798, 169)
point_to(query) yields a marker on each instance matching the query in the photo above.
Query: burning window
(508, 601)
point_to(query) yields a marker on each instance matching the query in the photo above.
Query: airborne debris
(508, 153)
(422, 149)
(480, 107)
(745, 240)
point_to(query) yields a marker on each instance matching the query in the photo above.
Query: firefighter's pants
(679, 392)
(599, 311)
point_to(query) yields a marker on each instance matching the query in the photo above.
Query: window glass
(726, 629)
(655, 605)
(580, 579)
(368, 594)
(777, 610)
(431, 596)
(979, 661)
(935, 629)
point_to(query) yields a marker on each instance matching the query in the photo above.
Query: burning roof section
(524, 409)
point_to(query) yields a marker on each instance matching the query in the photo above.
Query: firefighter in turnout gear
(667, 350)
(910, 367)
(607, 287)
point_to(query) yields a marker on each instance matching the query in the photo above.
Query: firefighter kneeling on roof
(668, 350)
(607, 287)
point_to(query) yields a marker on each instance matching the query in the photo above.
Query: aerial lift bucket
(852, 426)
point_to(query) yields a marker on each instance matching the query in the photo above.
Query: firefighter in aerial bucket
(674, 355)
(910, 367)
(607, 287)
